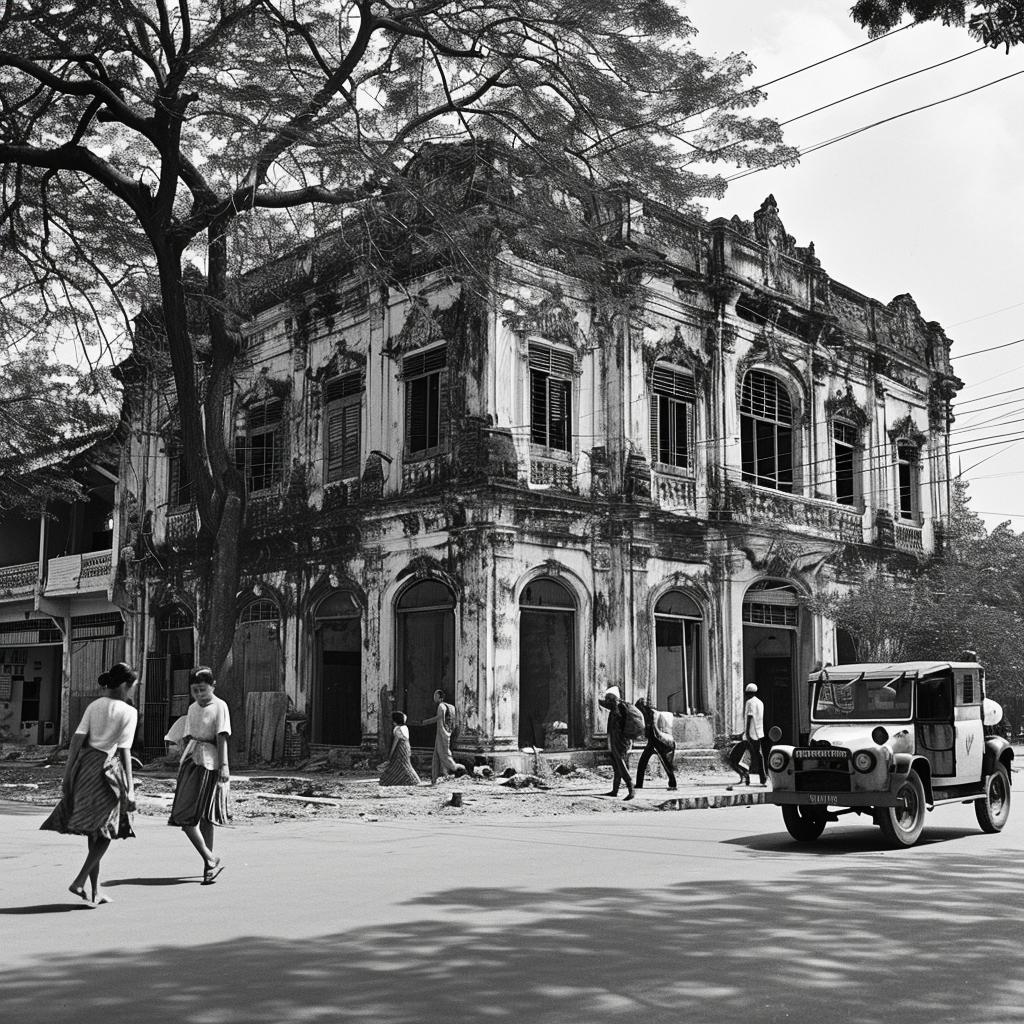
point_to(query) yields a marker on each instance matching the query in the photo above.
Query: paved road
(704, 916)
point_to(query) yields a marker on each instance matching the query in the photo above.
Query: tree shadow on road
(870, 939)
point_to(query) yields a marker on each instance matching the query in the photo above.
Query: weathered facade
(527, 500)
(60, 625)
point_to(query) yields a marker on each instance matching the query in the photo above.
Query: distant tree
(969, 599)
(139, 138)
(993, 23)
(49, 412)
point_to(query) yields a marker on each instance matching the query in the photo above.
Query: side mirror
(775, 734)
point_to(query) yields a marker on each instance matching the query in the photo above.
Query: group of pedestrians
(98, 788)
(399, 771)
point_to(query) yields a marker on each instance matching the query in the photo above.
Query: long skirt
(97, 805)
(400, 771)
(199, 796)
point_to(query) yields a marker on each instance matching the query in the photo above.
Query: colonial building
(60, 625)
(525, 501)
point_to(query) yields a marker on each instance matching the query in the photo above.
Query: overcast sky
(931, 204)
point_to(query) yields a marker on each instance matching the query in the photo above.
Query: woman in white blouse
(98, 793)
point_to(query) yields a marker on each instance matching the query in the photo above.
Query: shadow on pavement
(186, 880)
(47, 908)
(840, 838)
(871, 939)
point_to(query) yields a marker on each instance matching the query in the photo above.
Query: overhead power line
(983, 315)
(991, 348)
(881, 85)
(876, 124)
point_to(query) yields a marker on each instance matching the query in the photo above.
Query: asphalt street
(700, 915)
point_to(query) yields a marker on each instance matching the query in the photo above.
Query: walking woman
(98, 794)
(399, 771)
(442, 763)
(201, 796)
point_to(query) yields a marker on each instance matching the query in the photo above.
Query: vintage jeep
(891, 741)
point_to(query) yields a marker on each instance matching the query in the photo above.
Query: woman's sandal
(210, 874)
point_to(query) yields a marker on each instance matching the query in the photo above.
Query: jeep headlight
(777, 760)
(864, 761)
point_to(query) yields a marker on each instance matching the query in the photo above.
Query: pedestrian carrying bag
(634, 726)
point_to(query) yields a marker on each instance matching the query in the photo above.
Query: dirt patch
(273, 794)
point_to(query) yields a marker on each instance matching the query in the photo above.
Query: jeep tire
(903, 824)
(993, 809)
(804, 824)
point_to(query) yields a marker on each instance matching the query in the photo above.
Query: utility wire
(991, 348)
(983, 315)
(881, 85)
(875, 124)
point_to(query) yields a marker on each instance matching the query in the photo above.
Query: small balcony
(673, 491)
(751, 504)
(18, 581)
(78, 574)
(908, 537)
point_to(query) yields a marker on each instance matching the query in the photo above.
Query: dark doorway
(339, 716)
(774, 678)
(426, 655)
(547, 641)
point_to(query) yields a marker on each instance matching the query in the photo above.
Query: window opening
(551, 376)
(766, 432)
(423, 393)
(672, 413)
(343, 403)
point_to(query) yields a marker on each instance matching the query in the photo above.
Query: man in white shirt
(753, 737)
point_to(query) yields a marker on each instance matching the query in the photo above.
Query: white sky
(931, 204)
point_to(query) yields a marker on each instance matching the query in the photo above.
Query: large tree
(993, 23)
(141, 140)
(49, 413)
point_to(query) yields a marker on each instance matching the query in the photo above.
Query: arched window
(260, 611)
(766, 432)
(679, 663)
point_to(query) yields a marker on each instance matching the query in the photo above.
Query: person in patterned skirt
(98, 793)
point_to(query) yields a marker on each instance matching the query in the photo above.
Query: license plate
(824, 798)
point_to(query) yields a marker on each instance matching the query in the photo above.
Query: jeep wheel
(903, 824)
(804, 824)
(993, 809)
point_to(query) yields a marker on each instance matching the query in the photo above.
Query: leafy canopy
(993, 23)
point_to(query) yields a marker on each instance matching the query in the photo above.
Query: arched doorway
(771, 623)
(167, 669)
(426, 654)
(547, 665)
(256, 668)
(679, 656)
(338, 708)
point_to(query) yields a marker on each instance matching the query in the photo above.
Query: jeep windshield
(885, 698)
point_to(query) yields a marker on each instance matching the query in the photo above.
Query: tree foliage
(142, 138)
(49, 412)
(971, 599)
(993, 23)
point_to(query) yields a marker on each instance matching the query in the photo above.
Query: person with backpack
(442, 763)
(622, 730)
(659, 742)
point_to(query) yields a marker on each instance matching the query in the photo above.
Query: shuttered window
(766, 432)
(259, 451)
(672, 418)
(423, 373)
(343, 404)
(846, 444)
(179, 484)
(908, 468)
(551, 377)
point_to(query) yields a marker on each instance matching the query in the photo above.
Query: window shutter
(350, 445)
(655, 428)
(421, 363)
(416, 414)
(539, 408)
(344, 386)
(673, 383)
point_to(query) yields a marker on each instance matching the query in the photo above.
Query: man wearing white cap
(619, 744)
(753, 735)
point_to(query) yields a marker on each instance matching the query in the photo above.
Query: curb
(693, 803)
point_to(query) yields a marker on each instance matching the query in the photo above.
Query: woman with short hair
(98, 792)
